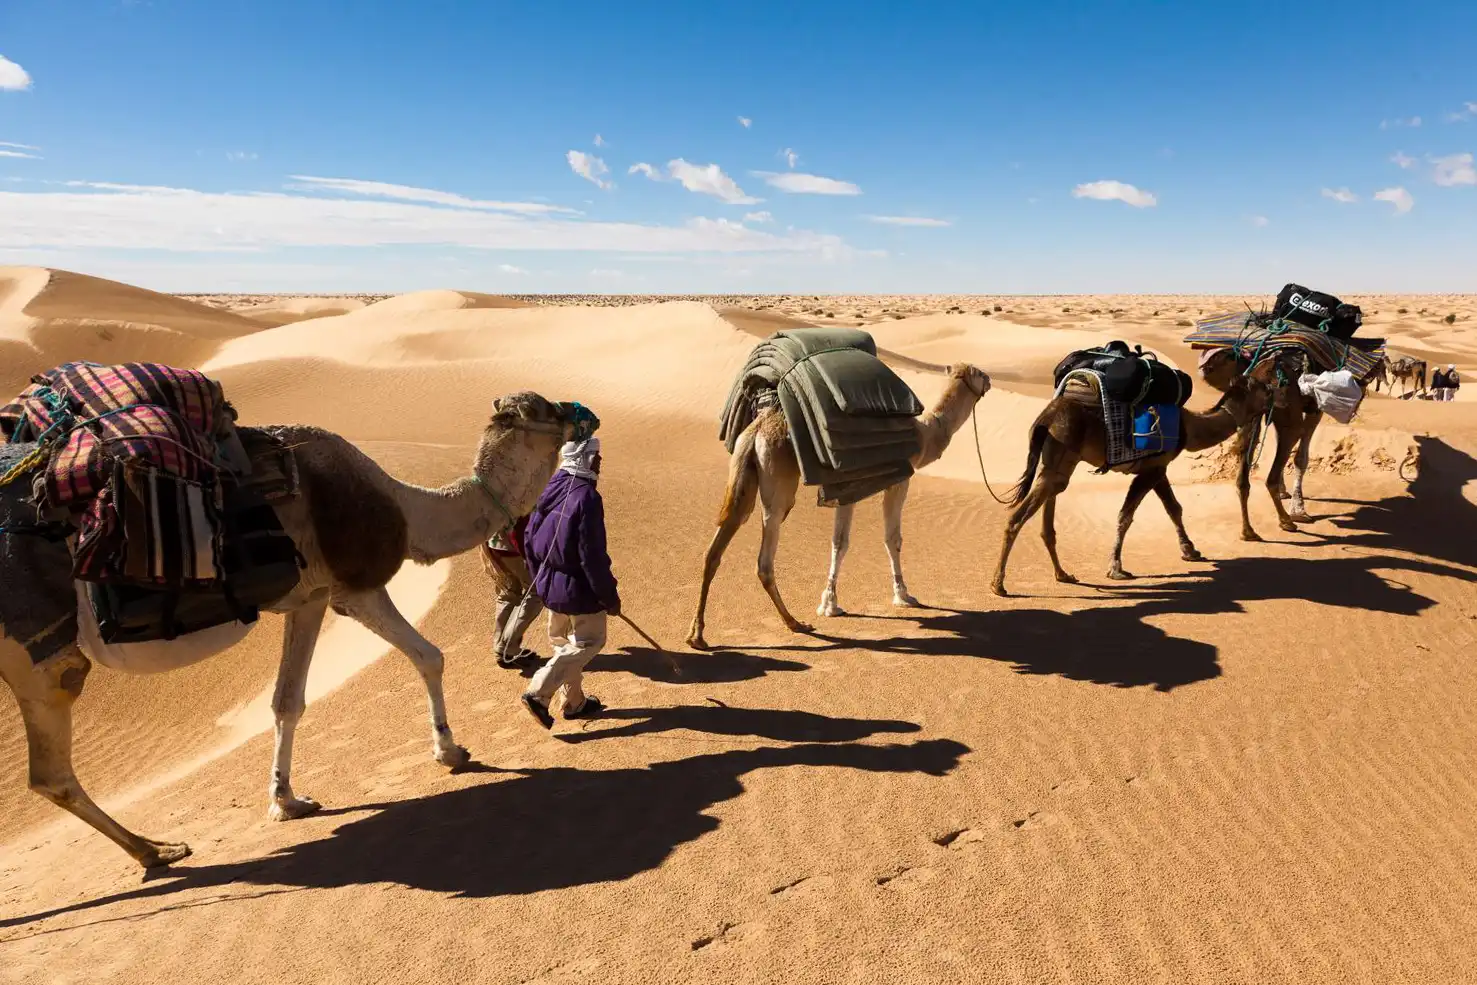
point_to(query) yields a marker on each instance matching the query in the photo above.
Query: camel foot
(1288, 525)
(292, 808)
(795, 626)
(1065, 578)
(697, 642)
(829, 608)
(1190, 554)
(1284, 494)
(1251, 535)
(452, 756)
(162, 853)
(905, 600)
(1118, 574)
(1300, 516)
(999, 589)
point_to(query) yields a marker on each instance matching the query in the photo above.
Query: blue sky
(262, 145)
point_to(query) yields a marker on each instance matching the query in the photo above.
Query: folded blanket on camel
(851, 418)
(1132, 433)
(1258, 336)
(170, 504)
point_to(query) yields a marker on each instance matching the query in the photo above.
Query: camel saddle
(164, 502)
(1130, 377)
(851, 418)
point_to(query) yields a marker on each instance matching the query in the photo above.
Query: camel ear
(497, 404)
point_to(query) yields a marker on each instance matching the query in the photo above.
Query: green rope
(496, 502)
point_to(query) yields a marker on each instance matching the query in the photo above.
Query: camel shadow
(721, 719)
(1434, 520)
(536, 830)
(1112, 644)
(719, 666)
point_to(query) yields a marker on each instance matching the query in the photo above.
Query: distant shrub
(1402, 311)
(985, 312)
(898, 316)
(1185, 323)
(1451, 319)
(1096, 311)
(1156, 314)
(998, 308)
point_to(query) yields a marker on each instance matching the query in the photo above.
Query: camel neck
(1207, 430)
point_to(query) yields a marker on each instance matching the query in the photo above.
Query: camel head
(1220, 367)
(1249, 394)
(526, 432)
(976, 380)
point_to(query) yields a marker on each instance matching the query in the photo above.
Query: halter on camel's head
(528, 411)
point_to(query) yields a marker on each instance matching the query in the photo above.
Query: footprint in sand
(729, 934)
(959, 838)
(802, 887)
(568, 972)
(908, 876)
(1036, 819)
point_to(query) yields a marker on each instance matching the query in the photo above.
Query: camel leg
(1249, 436)
(738, 506)
(1048, 486)
(289, 698)
(776, 499)
(1137, 490)
(893, 499)
(1275, 482)
(377, 612)
(1299, 510)
(840, 543)
(46, 695)
(1177, 517)
(1048, 537)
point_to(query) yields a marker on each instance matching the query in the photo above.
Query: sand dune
(1257, 769)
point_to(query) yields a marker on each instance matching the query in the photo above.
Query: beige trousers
(576, 640)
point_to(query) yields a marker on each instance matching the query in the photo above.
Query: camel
(1294, 416)
(1411, 373)
(1070, 430)
(355, 525)
(763, 465)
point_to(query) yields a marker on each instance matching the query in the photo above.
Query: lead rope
(980, 455)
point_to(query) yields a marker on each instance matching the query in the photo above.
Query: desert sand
(1256, 769)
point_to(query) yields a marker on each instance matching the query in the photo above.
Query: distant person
(566, 554)
(1453, 382)
(518, 605)
(1438, 385)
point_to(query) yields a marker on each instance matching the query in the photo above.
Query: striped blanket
(1256, 337)
(133, 450)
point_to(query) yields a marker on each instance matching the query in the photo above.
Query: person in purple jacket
(564, 546)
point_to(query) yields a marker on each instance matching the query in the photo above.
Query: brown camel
(763, 466)
(1295, 418)
(1411, 373)
(355, 525)
(1070, 430)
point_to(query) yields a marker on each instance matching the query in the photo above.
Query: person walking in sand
(518, 605)
(1438, 385)
(1453, 383)
(566, 554)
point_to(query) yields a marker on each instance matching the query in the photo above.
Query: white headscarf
(578, 458)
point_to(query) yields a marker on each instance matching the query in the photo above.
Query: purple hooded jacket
(564, 546)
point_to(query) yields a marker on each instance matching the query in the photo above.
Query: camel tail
(743, 477)
(1016, 493)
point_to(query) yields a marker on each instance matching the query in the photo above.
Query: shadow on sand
(538, 829)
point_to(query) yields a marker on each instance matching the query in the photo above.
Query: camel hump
(361, 531)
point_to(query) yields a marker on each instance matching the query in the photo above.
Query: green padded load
(851, 417)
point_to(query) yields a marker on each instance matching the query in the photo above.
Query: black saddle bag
(260, 563)
(1314, 309)
(1128, 376)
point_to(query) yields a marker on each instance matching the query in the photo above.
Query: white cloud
(1454, 169)
(599, 140)
(1467, 112)
(241, 155)
(508, 268)
(1341, 195)
(589, 167)
(6, 143)
(758, 217)
(18, 153)
(709, 179)
(12, 76)
(1260, 221)
(1108, 191)
(791, 158)
(380, 189)
(745, 122)
(646, 169)
(1398, 197)
(1403, 160)
(1413, 121)
(906, 220)
(797, 183)
(102, 215)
